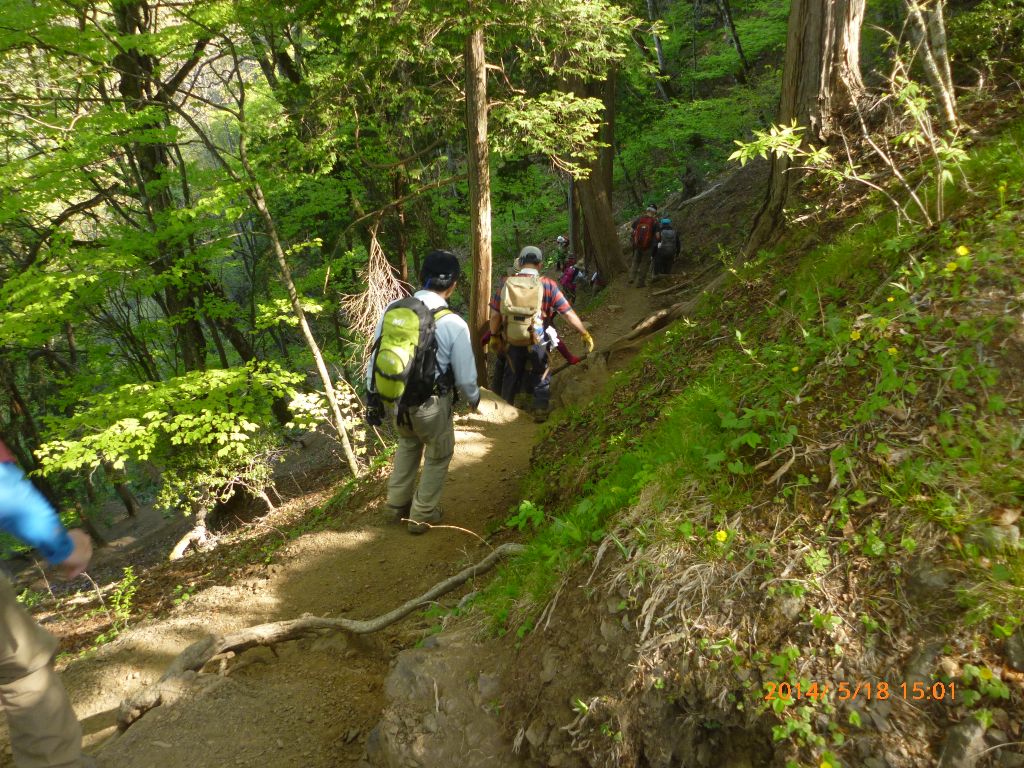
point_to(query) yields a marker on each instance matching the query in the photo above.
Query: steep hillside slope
(788, 532)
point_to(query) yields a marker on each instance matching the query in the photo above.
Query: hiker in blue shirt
(44, 730)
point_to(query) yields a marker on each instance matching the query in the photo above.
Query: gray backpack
(667, 246)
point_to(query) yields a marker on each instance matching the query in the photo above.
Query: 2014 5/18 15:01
(864, 690)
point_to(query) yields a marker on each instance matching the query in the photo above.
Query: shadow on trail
(312, 702)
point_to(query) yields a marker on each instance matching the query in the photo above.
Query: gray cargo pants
(642, 262)
(432, 432)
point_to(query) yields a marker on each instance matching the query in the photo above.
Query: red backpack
(643, 232)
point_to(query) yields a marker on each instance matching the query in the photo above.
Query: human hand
(374, 416)
(75, 563)
(588, 341)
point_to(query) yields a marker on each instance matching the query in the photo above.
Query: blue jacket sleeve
(27, 515)
(464, 366)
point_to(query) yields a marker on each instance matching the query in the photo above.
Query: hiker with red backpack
(421, 354)
(520, 311)
(646, 235)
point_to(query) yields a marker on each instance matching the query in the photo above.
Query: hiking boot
(400, 513)
(416, 527)
(540, 415)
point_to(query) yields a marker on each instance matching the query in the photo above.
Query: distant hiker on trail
(421, 353)
(646, 234)
(44, 730)
(562, 254)
(520, 311)
(668, 249)
(572, 275)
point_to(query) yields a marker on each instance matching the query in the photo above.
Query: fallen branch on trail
(688, 281)
(662, 318)
(187, 663)
(697, 198)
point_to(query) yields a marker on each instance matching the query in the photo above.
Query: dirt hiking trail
(311, 703)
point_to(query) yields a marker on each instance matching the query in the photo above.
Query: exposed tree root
(198, 536)
(182, 670)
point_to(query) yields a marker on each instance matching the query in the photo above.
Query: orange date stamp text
(860, 690)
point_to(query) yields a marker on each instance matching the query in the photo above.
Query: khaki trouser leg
(432, 433)
(44, 730)
(402, 483)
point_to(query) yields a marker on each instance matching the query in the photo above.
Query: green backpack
(405, 355)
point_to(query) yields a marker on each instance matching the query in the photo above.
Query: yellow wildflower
(891, 299)
(893, 351)
(952, 266)
(854, 335)
(721, 536)
(962, 250)
(795, 368)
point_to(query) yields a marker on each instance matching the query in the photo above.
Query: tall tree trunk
(575, 241)
(479, 192)
(928, 31)
(256, 194)
(595, 191)
(634, 193)
(218, 344)
(403, 240)
(150, 161)
(821, 83)
(659, 82)
(693, 48)
(726, 11)
(652, 14)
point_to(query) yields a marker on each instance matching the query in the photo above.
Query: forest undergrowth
(804, 499)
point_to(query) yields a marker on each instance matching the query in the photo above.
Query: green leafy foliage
(208, 429)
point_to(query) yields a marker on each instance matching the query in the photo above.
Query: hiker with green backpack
(421, 355)
(521, 310)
